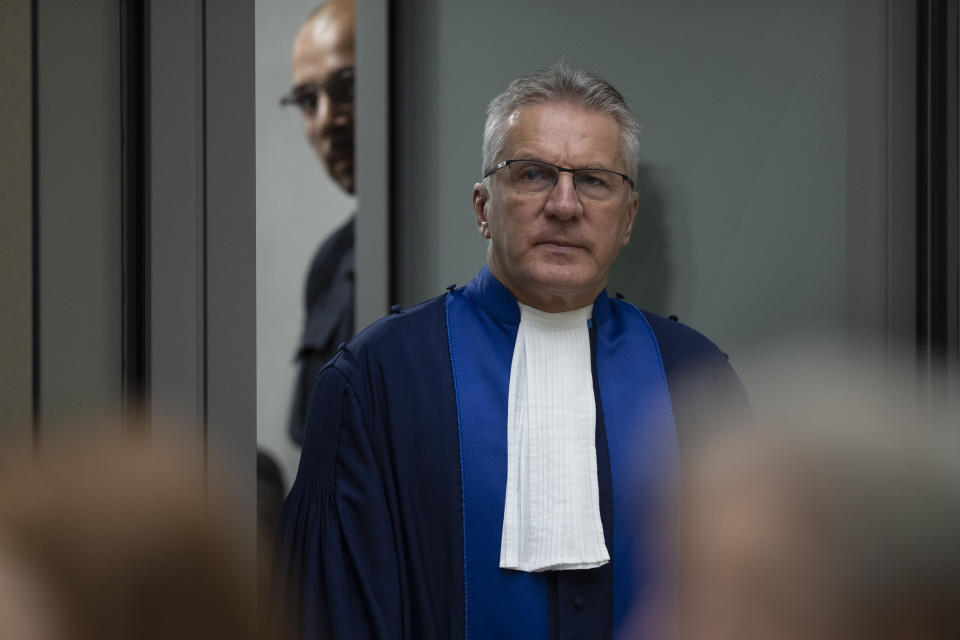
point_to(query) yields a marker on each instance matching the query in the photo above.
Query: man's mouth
(559, 244)
(338, 145)
(336, 154)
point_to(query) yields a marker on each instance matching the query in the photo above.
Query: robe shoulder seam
(684, 331)
(374, 337)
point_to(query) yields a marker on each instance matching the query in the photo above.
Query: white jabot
(551, 516)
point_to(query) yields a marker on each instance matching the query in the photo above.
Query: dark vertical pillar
(881, 179)
(937, 172)
(133, 211)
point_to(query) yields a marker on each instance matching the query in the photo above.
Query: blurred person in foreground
(112, 541)
(323, 90)
(483, 464)
(838, 518)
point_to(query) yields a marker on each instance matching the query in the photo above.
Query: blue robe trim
(503, 604)
(482, 321)
(642, 441)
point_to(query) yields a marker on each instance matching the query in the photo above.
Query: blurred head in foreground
(837, 518)
(114, 541)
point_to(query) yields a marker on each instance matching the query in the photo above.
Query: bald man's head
(333, 6)
(323, 62)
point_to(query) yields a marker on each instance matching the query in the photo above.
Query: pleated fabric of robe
(392, 528)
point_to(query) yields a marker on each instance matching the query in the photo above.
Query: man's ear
(631, 212)
(481, 195)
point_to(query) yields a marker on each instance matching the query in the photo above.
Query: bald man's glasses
(533, 176)
(339, 88)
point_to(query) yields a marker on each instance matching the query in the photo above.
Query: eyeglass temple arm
(499, 166)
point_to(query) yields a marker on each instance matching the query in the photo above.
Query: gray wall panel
(231, 336)
(202, 369)
(78, 94)
(16, 220)
(175, 187)
(373, 162)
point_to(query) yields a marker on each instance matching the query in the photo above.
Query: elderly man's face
(323, 48)
(554, 250)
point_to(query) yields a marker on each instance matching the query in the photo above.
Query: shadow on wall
(642, 272)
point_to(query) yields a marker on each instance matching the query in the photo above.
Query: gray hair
(560, 83)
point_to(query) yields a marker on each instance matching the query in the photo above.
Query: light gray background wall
(741, 228)
(297, 207)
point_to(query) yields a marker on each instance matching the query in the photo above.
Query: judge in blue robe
(402, 522)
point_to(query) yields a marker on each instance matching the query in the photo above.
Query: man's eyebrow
(303, 88)
(536, 158)
(529, 156)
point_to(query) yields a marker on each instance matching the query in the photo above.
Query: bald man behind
(323, 62)
(323, 90)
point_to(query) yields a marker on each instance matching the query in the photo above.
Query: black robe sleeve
(329, 319)
(705, 392)
(336, 557)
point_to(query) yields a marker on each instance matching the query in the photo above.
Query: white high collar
(551, 518)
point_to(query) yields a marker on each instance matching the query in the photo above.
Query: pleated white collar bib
(551, 517)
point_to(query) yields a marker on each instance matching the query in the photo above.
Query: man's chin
(342, 174)
(567, 281)
(563, 277)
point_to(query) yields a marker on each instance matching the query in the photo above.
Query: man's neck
(548, 301)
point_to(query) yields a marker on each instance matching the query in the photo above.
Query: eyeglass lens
(538, 177)
(339, 88)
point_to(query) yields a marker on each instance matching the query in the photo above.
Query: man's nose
(563, 202)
